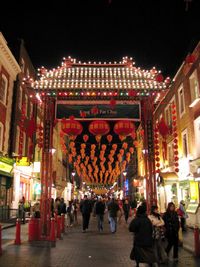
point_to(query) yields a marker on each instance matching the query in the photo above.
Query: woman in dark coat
(141, 226)
(172, 227)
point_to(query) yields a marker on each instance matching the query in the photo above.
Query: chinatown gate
(81, 87)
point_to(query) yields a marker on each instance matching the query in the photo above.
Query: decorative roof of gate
(98, 76)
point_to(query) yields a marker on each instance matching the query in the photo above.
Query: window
(181, 101)
(170, 154)
(1, 136)
(20, 98)
(194, 88)
(197, 137)
(168, 114)
(3, 89)
(185, 143)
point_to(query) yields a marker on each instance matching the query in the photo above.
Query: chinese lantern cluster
(175, 135)
(124, 128)
(62, 143)
(21, 135)
(157, 149)
(41, 135)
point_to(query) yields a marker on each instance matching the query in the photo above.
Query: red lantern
(159, 78)
(99, 127)
(163, 128)
(71, 127)
(124, 128)
(157, 165)
(157, 159)
(176, 158)
(85, 138)
(176, 169)
(109, 138)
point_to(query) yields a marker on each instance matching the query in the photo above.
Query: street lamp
(124, 180)
(73, 174)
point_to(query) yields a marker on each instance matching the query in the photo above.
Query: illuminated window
(1, 136)
(181, 101)
(194, 86)
(3, 89)
(185, 143)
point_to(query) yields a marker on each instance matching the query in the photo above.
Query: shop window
(185, 143)
(181, 101)
(1, 136)
(194, 88)
(3, 89)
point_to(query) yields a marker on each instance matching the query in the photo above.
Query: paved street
(79, 249)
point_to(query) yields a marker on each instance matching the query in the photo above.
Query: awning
(169, 176)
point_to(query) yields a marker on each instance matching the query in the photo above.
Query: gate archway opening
(95, 97)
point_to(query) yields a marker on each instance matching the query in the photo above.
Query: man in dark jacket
(86, 209)
(113, 208)
(172, 227)
(141, 226)
(99, 211)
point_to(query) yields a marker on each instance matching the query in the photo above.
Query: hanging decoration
(124, 128)
(71, 127)
(175, 135)
(40, 134)
(62, 143)
(157, 149)
(21, 135)
(109, 138)
(85, 138)
(99, 128)
(164, 131)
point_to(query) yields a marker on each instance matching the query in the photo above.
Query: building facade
(9, 68)
(177, 124)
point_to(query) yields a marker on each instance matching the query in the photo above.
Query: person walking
(158, 234)
(70, 212)
(183, 215)
(86, 209)
(62, 209)
(141, 226)
(75, 208)
(171, 220)
(113, 208)
(126, 209)
(21, 211)
(99, 211)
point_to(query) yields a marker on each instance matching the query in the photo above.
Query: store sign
(24, 161)
(194, 191)
(5, 167)
(6, 164)
(132, 111)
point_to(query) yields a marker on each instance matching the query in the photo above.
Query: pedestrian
(21, 211)
(57, 206)
(142, 251)
(113, 209)
(120, 212)
(62, 206)
(158, 234)
(182, 214)
(172, 228)
(36, 209)
(70, 212)
(86, 209)
(75, 208)
(126, 209)
(99, 211)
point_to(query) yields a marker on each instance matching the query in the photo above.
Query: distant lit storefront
(6, 180)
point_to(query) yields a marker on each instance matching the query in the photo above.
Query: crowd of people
(154, 234)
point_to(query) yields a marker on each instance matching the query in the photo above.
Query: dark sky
(154, 32)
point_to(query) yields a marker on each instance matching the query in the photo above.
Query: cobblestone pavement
(77, 249)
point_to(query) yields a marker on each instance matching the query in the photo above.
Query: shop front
(167, 185)
(6, 180)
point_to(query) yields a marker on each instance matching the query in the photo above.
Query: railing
(7, 214)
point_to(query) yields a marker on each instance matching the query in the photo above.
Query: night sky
(155, 33)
